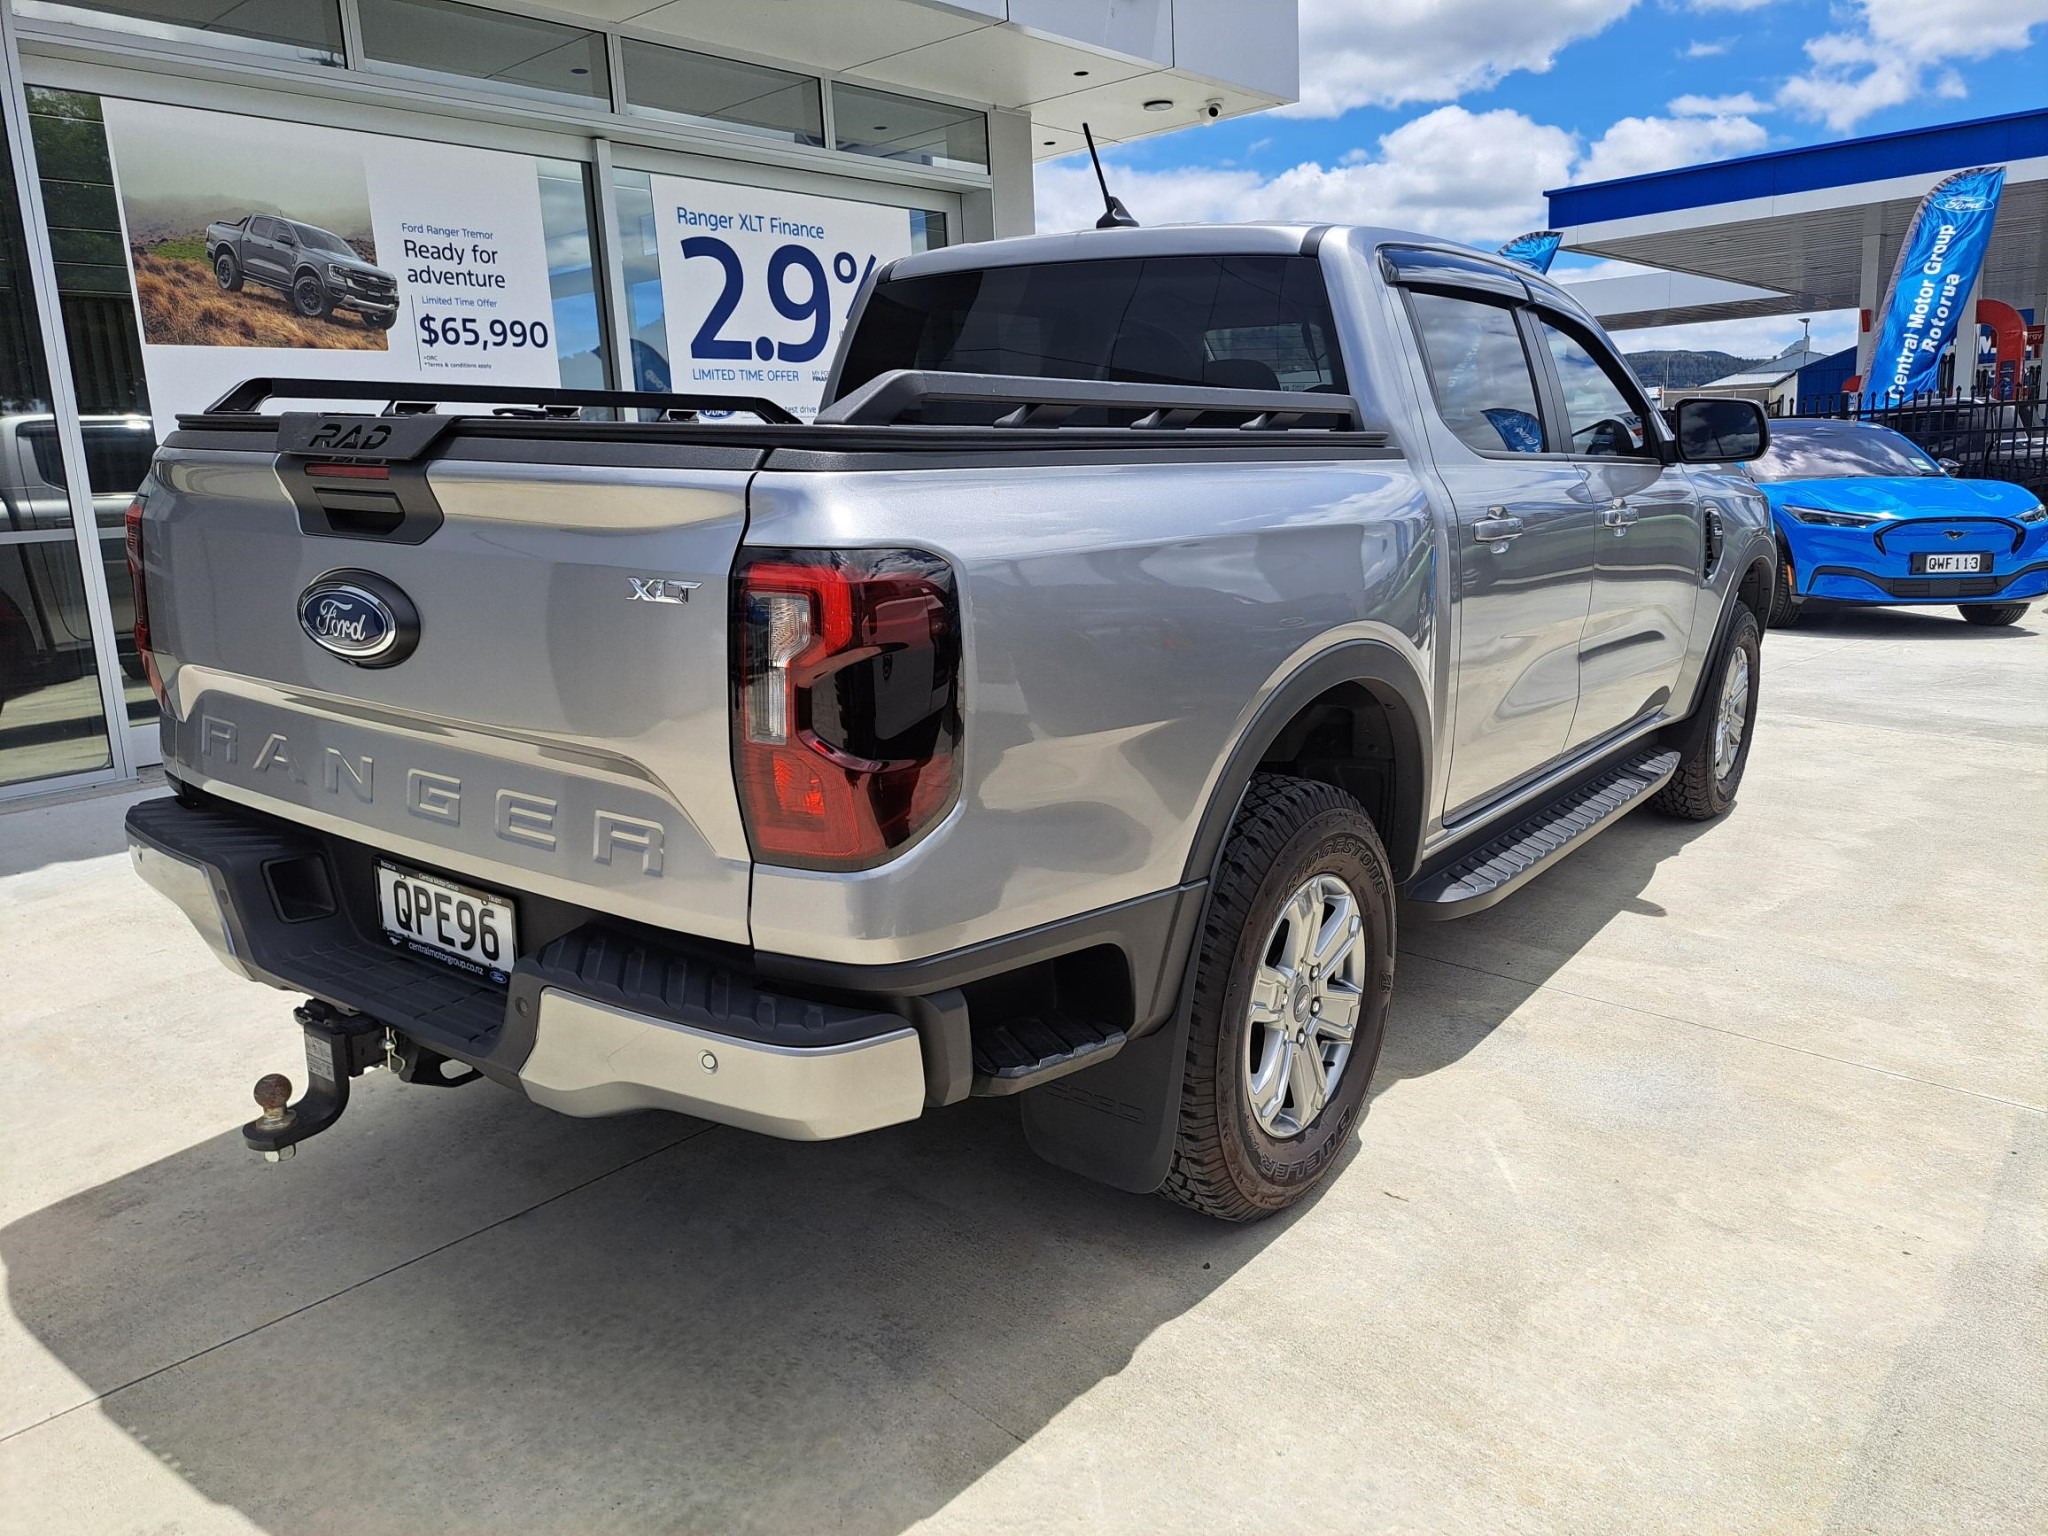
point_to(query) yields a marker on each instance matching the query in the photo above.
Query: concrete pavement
(1705, 1188)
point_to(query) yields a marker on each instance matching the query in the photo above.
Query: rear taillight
(139, 583)
(846, 710)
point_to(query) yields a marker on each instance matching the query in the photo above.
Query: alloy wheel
(1305, 1000)
(1731, 718)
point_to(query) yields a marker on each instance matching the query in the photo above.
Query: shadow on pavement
(1516, 946)
(719, 1333)
(730, 1334)
(1876, 622)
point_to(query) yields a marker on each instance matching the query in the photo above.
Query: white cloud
(1699, 48)
(1466, 175)
(1743, 105)
(1893, 49)
(1636, 145)
(1730, 5)
(1477, 176)
(1396, 51)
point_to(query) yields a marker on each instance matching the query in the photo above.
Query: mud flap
(1115, 1123)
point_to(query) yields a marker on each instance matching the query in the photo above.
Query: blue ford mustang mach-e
(1865, 516)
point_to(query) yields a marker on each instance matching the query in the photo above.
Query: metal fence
(1988, 439)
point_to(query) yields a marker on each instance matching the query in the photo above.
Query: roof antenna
(1114, 214)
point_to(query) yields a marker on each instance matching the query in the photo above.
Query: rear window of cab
(1230, 322)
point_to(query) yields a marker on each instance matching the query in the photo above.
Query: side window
(259, 229)
(1603, 419)
(1480, 373)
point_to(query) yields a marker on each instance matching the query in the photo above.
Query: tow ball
(339, 1046)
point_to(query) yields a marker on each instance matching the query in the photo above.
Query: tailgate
(561, 725)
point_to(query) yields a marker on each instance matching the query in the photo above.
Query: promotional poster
(261, 247)
(757, 284)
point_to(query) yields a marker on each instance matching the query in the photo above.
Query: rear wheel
(1988, 615)
(1715, 748)
(227, 272)
(1290, 1001)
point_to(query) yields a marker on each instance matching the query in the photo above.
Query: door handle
(1619, 515)
(1497, 527)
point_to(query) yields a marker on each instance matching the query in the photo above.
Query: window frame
(1537, 316)
(1539, 383)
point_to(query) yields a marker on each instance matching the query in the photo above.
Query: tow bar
(339, 1046)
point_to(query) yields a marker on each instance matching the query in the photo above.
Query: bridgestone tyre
(1785, 607)
(380, 322)
(1989, 615)
(1710, 770)
(228, 272)
(309, 297)
(1290, 835)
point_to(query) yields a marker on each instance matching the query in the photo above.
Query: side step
(1024, 1052)
(1538, 841)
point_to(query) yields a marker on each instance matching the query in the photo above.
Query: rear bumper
(597, 1021)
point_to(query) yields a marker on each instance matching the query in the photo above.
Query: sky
(1453, 117)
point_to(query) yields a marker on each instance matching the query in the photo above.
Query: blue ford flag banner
(1938, 264)
(1534, 249)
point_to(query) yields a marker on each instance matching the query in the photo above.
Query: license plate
(455, 924)
(1952, 565)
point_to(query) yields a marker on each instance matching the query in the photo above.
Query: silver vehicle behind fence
(1148, 621)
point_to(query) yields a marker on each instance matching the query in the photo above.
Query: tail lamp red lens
(846, 720)
(139, 583)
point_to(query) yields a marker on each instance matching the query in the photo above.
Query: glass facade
(100, 338)
(869, 122)
(51, 717)
(443, 39)
(723, 93)
(308, 30)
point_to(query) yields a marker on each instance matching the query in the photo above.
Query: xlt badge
(660, 589)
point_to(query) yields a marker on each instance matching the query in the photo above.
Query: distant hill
(1688, 370)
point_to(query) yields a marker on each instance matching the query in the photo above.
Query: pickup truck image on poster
(757, 284)
(262, 247)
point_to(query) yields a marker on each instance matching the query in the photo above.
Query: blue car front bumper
(1885, 563)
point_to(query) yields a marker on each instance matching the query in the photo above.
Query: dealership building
(589, 193)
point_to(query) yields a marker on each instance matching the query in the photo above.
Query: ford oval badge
(360, 617)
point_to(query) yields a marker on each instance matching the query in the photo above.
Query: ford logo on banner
(1938, 265)
(360, 617)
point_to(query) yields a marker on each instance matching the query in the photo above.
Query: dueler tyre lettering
(1715, 747)
(1291, 991)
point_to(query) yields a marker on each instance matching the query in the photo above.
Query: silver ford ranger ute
(1147, 620)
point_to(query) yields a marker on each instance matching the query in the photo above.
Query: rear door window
(1232, 322)
(1479, 372)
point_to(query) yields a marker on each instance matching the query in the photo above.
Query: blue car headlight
(2035, 514)
(1832, 519)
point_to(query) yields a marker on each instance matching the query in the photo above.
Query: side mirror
(1949, 466)
(1720, 431)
